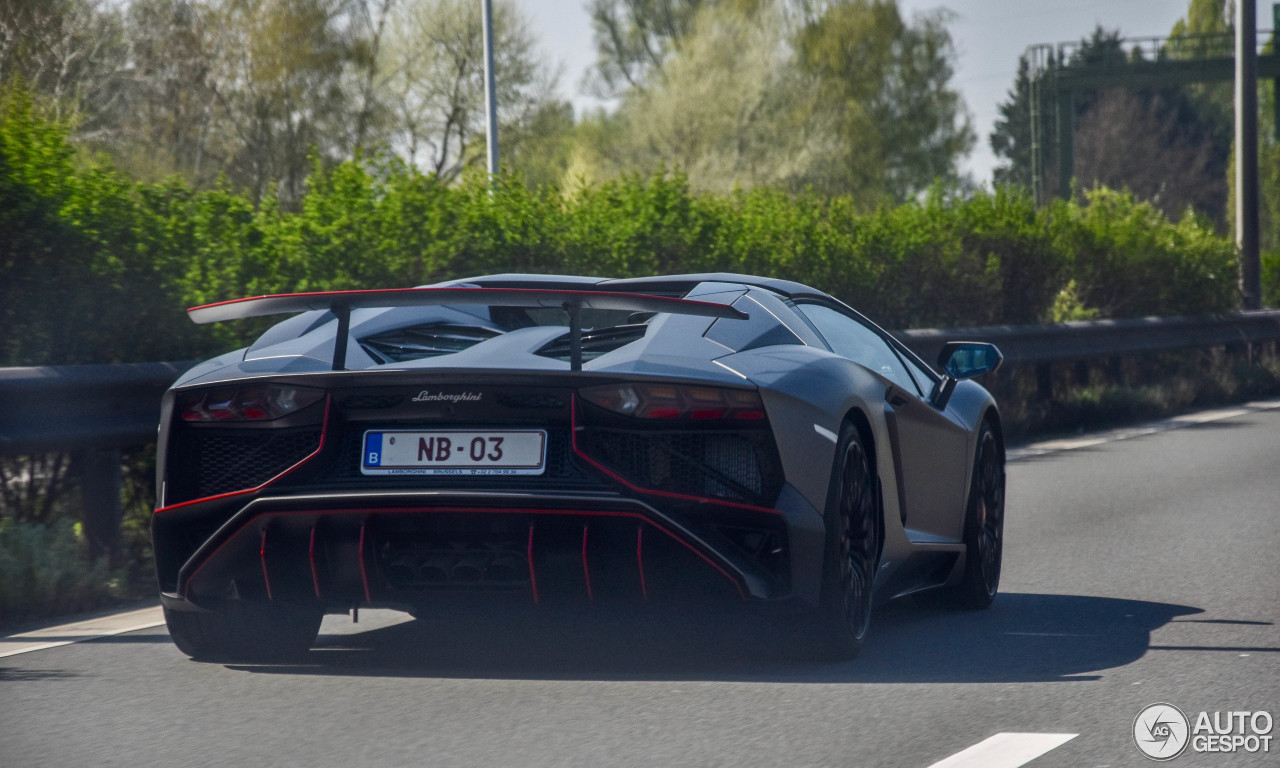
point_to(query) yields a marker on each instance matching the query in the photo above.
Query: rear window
(760, 329)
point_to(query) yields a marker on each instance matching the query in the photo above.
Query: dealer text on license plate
(455, 452)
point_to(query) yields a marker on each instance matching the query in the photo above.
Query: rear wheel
(983, 526)
(852, 551)
(244, 632)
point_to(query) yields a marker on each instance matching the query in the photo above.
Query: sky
(989, 36)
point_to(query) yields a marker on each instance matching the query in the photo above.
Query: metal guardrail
(94, 411)
(82, 407)
(91, 412)
(1023, 344)
(90, 407)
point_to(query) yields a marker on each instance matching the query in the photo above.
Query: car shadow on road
(1021, 638)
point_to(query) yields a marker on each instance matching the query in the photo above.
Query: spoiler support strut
(343, 313)
(574, 308)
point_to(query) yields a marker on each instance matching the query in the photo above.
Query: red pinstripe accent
(586, 569)
(573, 431)
(427, 291)
(311, 556)
(644, 591)
(482, 510)
(533, 573)
(262, 555)
(364, 575)
(324, 430)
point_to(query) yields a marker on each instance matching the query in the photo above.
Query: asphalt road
(1140, 571)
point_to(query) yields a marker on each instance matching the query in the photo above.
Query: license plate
(455, 452)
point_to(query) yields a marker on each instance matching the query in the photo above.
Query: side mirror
(967, 359)
(963, 360)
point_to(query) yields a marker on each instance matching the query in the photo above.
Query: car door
(929, 449)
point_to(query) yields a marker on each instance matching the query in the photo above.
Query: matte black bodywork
(289, 520)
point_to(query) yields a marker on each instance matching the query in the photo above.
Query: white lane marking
(1140, 430)
(826, 433)
(1006, 750)
(80, 631)
(148, 618)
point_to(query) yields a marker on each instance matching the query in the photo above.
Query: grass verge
(44, 571)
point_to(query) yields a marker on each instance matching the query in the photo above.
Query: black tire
(244, 632)
(852, 551)
(983, 526)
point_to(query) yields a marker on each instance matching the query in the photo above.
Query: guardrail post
(99, 474)
(1115, 370)
(1237, 350)
(1081, 372)
(1044, 381)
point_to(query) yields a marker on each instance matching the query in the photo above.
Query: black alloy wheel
(853, 548)
(984, 525)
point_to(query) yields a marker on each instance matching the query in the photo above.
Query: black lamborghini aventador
(568, 441)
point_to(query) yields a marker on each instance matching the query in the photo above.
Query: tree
(1144, 143)
(730, 109)
(1210, 23)
(73, 53)
(903, 124)
(1206, 30)
(372, 16)
(434, 65)
(634, 37)
(1269, 172)
(1011, 138)
(539, 148)
(1161, 143)
(844, 97)
(245, 88)
(173, 123)
(279, 81)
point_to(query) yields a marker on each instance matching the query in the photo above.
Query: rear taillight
(254, 403)
(676, 401)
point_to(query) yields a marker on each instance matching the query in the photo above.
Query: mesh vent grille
(595, 342)
(233, 462)
(371, 402)
(423, 341)
(738, 466)
(531, 401)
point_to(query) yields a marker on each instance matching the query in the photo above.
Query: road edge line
(86, 638)
(1089, 440)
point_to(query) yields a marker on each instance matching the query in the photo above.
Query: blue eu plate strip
(372, 449)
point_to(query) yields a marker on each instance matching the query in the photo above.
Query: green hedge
(44, 571)
(97, 268)
(1271, 278)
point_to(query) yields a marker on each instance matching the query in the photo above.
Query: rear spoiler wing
(340, 303)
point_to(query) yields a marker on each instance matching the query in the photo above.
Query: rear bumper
(413, 548)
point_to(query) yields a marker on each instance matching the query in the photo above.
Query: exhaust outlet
(402, 569)
(434, 569)
(470, 569)
(505, 568)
